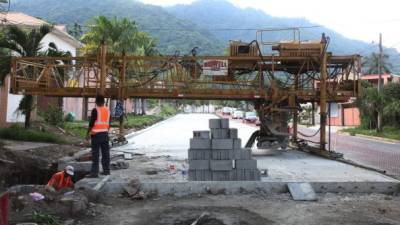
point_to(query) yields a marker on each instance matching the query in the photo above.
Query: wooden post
(295, 111)
(103, 68)
(323, 95)
(122, 93)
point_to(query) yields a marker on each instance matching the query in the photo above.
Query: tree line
(121, 35)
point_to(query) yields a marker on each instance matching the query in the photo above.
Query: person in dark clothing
(99, 126)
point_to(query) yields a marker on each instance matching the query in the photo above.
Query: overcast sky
(357, 19)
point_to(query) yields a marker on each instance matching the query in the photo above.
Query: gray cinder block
(233, 133)
(203, 134)
(214, 123)
(221, 165)
(222, 144)
(242, 154)
(197, 143)
(237, 143)
(246, 164)
(200, 175)
(199, 154)
(221, 175)
(220, 133)
(224, 123)
(199, 164)
(222, 154)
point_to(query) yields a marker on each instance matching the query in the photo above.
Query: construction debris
(302, 192)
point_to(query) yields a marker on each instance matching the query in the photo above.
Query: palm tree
(17, 41)
(120, 36)
(371, 64)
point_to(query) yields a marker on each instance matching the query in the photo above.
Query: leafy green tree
(391, 110)
(25, 43)
(370, 104)
(371, 64)
(121, 36)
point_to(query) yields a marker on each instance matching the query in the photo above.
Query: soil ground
(251, 209)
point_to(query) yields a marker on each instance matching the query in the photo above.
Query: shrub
(18, 133)
(53, 115)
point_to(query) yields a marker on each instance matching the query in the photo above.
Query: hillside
(198, 24)
(216, 14)
(176, 34)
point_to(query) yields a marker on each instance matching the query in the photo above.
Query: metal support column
(323, 96)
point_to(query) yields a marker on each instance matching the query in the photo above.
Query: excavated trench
(23, 168)
(208, 216)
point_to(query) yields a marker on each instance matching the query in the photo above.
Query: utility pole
(379, 122)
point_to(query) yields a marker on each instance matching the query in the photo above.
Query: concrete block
(196, 143)
(221, 165)
(246, 164)
(199, 164)
(252, 175)
(214, 123)
(302, 192)
(200, 175)
(222, 144)
(237, 143)
(233, 133)
(220, 133)
(242, 154)
(224, 123)
(203, 134)
(199, 154)
(222, 154)
(221, 175)
(192, 175)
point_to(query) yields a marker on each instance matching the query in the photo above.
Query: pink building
(347, 114)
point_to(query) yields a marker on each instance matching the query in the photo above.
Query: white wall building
(64, 42)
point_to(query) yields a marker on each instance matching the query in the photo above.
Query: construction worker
(61, 180)
(99, 126)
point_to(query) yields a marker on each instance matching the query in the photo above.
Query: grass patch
(78, 128)
(21, 134)
(388, 132)
(139, 122)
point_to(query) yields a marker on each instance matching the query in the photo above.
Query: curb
(371, 137)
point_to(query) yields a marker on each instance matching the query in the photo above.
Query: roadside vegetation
(387, 132)
(19, 133)
(131, 121)
(371, 103)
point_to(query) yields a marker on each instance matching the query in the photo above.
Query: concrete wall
(8, 105)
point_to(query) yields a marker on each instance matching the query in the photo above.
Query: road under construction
(275, 76)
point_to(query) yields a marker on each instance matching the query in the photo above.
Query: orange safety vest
(102, 123)
(58, 181)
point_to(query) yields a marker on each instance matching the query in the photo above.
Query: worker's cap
(69, 170)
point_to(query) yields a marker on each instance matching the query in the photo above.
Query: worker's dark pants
(100, 141)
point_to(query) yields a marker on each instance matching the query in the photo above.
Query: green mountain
(224, 20)
(207, 24)
(175, 34)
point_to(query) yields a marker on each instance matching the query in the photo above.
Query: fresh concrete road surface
(171, 137)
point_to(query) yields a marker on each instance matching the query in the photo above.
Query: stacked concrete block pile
(217, 155)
